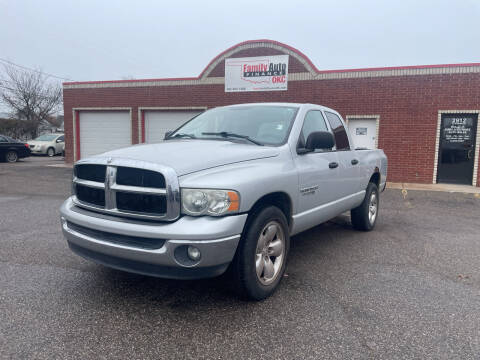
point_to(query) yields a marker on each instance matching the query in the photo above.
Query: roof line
(287, 47)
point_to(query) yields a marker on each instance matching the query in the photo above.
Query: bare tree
(30, 96)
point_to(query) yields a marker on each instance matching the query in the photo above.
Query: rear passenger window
(314, 121)
(339, 132)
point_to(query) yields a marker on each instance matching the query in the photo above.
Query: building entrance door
(457, 148)
(363, 132)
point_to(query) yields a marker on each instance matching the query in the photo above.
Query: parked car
(11, 150)
(226, 189)
(48, 144)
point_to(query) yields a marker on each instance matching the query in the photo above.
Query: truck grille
(91, 172)
(153, 204)
(90, 195)
(140, 177)
(119, 189)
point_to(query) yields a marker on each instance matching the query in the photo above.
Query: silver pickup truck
(226, 190)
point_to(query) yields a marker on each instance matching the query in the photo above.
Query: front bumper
(38, 151)
(216, 238)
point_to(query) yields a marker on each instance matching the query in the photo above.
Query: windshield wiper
(182, 135)
(226, 134)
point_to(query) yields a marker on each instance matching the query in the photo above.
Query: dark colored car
(11, 150)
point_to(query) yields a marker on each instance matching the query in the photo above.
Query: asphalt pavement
(410, 289)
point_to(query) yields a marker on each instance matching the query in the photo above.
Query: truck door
(349, 165)
(318, 175)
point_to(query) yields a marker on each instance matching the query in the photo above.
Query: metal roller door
(157, 123)
(101, 131)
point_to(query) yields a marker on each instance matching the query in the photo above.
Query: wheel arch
(376, 177)
(279, 199)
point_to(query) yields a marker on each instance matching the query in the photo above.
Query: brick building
(424, 117)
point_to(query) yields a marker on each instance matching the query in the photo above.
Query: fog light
(193, 253)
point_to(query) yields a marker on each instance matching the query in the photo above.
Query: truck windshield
(267, 125)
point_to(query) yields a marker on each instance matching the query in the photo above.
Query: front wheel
(261, 257)
(365, 216)
(51, 152)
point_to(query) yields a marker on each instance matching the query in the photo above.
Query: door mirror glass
(167, 134)
(320, 140)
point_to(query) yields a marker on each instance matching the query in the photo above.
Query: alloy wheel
(372, 208)
(270, 252)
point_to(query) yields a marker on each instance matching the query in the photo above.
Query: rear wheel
(260, 261)
(11, 156)
(365, 216)
(51, 152)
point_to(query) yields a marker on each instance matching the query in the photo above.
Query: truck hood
(189, 156)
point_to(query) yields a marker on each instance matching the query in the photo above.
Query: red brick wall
(408, 107)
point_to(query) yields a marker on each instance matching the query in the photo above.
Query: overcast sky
(102, 40)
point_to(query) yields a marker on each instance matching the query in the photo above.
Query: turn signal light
(234, 203)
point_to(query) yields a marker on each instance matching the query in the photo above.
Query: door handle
(333, 165)
(354, 162)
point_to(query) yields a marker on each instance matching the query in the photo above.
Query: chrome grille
(128, 188)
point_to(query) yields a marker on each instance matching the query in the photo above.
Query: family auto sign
(263, 73)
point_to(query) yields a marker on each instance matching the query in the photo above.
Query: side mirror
(318, 140)
(59, 140)
(167, 134)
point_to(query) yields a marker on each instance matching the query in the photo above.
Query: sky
(117, 39)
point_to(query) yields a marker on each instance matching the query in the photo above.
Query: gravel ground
(408, 290)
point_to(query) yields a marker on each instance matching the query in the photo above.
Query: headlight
(197, 202)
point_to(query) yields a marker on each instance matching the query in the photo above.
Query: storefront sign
(263, 73)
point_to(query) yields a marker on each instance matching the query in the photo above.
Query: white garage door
(101, 131)
(157, 123)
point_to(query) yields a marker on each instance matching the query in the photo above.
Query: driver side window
(314, 121)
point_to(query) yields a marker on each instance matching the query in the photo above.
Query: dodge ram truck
(225, 191)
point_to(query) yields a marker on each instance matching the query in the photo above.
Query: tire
(263, 249)
(364, 217)
(11, 156)
(50, 152)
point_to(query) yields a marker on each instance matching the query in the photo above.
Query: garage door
(157, 123)
(101, 131)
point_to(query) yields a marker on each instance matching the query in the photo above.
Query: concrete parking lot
(409, 289)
